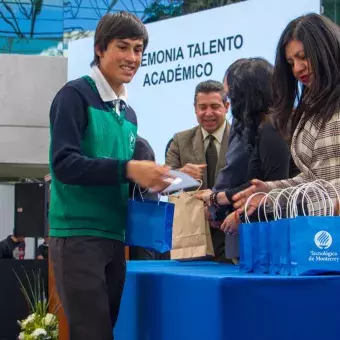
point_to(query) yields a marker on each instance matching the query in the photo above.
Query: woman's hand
(241, 198)
(204, 196)
(221, 198)
(212, 223)
(231, 223)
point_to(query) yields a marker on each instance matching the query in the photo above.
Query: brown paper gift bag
(191, 237)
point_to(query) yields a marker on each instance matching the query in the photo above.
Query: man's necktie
(211, 158)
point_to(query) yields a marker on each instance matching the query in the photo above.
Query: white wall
(28, 85)
(6, 210)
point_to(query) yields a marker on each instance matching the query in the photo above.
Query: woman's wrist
(222, 198)
(218, 199)
(213, 200)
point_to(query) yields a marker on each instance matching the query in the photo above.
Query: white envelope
(181, 181)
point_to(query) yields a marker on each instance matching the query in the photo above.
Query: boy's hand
(148, 174)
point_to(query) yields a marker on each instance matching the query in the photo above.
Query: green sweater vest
(101, 211)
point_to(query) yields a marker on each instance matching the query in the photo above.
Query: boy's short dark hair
(209, 86)
(121, 25)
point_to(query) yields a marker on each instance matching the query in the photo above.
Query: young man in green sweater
(93, 134)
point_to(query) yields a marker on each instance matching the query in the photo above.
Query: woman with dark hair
(250, 95)
(307, 76)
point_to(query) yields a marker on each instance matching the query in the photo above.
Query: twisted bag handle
(198, 189)
(319, 182)
(319, 191)
(287, 194)
(325, 197)
(140, 192)
(292, 202)
(263, 203)
(143, 192)
(248, 203)
(278, 201)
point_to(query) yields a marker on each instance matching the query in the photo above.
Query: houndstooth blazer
(316, 152)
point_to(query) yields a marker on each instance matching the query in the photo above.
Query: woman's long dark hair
(250, 95)
(321, 40)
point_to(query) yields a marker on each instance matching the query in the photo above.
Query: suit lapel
(224, 148)
(198, 147)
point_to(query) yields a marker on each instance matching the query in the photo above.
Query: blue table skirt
(168, 300)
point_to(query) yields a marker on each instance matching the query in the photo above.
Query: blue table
(166, 300)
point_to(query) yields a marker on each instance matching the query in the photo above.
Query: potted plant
(39, 325)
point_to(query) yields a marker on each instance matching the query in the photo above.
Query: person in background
(307, 69)
(42, 251)
(10, 248)
(93, 134)
(233, 174)
(200, 151)
(251, 97)
(235, 171)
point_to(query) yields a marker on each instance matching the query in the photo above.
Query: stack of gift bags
(296, 232)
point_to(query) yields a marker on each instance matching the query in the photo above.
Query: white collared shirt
(218, 134)
(105, 90)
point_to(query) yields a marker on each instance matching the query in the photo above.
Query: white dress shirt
(105, 90)
(218, 134)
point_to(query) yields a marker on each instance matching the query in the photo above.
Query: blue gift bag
(315, 245)
(262, 256)
(283, 245)
(279, 247)
(255, 228)
(149, 225)
(274, 253)
(246, 247)
(241, 246)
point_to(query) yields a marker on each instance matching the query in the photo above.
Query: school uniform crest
(132, 141)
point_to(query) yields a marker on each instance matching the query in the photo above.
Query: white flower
(21, 336)
(36, 333)
(30, 318)
(49, 319)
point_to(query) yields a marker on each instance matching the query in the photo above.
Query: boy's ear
(98, 51)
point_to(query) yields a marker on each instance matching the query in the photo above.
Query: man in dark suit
(200, 151)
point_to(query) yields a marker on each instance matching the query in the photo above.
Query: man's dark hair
(121, 25)
(168, 146)
(209, 86)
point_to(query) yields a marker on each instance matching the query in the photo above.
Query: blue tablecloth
(166, 300)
